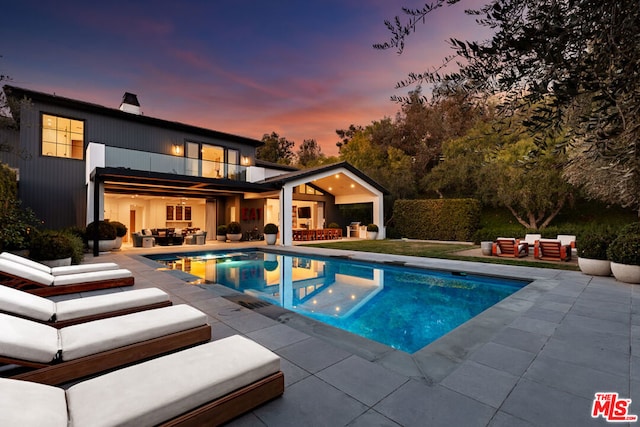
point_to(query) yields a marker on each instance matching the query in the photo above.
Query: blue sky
(300, 68)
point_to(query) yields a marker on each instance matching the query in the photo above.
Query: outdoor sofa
(56, 356)
(208, 384)
(79, 310)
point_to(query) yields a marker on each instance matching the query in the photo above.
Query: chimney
(130, 104)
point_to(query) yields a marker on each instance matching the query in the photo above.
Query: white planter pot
(221, 238)
(595, 267)
(62, 262)
(103, 245)
(118, 243)
(270, 238)
(626, 273)
(372, 235)
(234, 237)
(485, 247)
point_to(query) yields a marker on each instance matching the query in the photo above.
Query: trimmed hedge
(437, 219)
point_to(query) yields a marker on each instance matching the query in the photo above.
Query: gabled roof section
(114, 112)
(311, 172)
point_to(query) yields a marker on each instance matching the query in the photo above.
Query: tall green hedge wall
(437, 219)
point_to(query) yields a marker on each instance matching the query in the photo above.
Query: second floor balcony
(163, 163)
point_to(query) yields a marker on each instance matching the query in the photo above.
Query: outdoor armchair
(510, 247)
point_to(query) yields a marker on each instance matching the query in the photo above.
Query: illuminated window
(213, 161)
(62, 137)
(307, 189)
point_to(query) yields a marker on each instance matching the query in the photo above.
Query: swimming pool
(404, 308)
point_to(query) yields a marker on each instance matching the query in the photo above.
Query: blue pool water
(401, 307)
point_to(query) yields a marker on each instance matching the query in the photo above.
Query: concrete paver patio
(535, 359)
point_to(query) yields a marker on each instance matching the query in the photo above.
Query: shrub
(633, 228)
(234, 228)
(121, 229)
(593, 246)
(437, 219)
(625, 249)
(222, 230)
(270, 228)
(106, 231)
(49, 244)
(492, 233)
(270, 265)
(333, 225)
(372, 227)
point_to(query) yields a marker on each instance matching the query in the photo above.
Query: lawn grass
(433, 250)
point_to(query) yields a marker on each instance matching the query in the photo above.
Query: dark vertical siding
(55, 187)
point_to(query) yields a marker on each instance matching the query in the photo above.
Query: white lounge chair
(56, 356)
(57, 271)
(79, 310)
(38, 282)
(208, 384)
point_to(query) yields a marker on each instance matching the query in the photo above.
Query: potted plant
(270, 233)
(234, 231)
(53, 248)
(121, 231)
(221, 233)
(372, 231)
(106, 235)
(624, 254)
(592, 254)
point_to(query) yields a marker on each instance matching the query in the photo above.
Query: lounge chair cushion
(28, 340)
(163, 388)
(80, 307)
(26, 403)
(55, 271)
(106, 334)
(29, 273)
(14, 301)
(37, 342)
(92, 276)
(26, 304)
(25, 261)
(567, 239)
(84, 268)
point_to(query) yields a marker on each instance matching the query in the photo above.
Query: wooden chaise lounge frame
(552, 250)
(42, 290)
(234, 404)
(57, 373)
(510, 248)
(218, 410)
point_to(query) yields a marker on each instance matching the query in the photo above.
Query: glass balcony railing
(154, 162)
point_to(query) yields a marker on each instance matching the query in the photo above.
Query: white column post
(284, 216)
(378, 215)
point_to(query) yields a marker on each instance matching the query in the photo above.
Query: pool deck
(535, 359)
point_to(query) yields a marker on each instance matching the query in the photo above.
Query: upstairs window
(62, 137)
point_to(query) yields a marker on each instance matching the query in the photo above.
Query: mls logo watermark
(612, 408)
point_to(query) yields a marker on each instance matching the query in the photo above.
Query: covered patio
(341, 180)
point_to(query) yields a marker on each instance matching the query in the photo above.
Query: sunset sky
(299, 68)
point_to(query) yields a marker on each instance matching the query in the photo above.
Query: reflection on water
(296, 283)
(401, 307)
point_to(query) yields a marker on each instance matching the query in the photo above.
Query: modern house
(78, 162)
